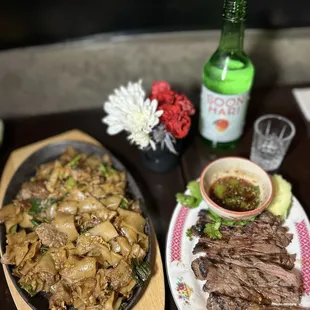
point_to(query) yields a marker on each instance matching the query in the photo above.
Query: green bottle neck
(232, 36)
(234, 15)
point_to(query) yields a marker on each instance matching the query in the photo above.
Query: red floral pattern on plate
(184, 291)
(177, 234)
(304, 240)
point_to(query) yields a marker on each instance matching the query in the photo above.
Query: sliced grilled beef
(265, 217)
(232, 287)
(245, 236)
(268, 217)
(284, 260)
(203, 219)
(200, 268)
(221, 302)
(245, 247)
(266, 267)
(250, 264)
(289, 277)
(265, 232)
(265, 229)
(198, 229)
(250, 284)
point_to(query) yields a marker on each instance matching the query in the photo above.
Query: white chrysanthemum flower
(128, 110)
(142, 139)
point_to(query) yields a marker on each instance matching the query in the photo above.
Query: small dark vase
(161, 160)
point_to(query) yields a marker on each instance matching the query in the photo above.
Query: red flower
(177, 122)
(185, 104)
(164, 97)
(162, 92)
(159, 87)
(177, 109)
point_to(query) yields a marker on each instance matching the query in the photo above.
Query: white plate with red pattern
(187, 290)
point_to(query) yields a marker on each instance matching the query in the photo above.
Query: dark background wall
(32, 22)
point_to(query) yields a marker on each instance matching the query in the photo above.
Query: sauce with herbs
(235, 194)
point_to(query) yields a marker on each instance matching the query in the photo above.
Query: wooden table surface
(160, 189)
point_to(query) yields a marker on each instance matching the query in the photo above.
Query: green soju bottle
(227, 79)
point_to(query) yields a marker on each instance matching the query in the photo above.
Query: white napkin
(302, 96)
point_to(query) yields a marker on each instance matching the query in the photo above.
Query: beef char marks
(249, 262)
(221, 302)
(282, 259)
(200, 268)
(269, 254)
(265, 229)
(248, 283)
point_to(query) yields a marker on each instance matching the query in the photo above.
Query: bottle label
(222, 116)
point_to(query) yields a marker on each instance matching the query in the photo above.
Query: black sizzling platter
(27, 169)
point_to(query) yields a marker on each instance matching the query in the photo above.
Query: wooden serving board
(154, 294)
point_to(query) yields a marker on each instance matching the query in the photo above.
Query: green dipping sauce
(235, 194)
